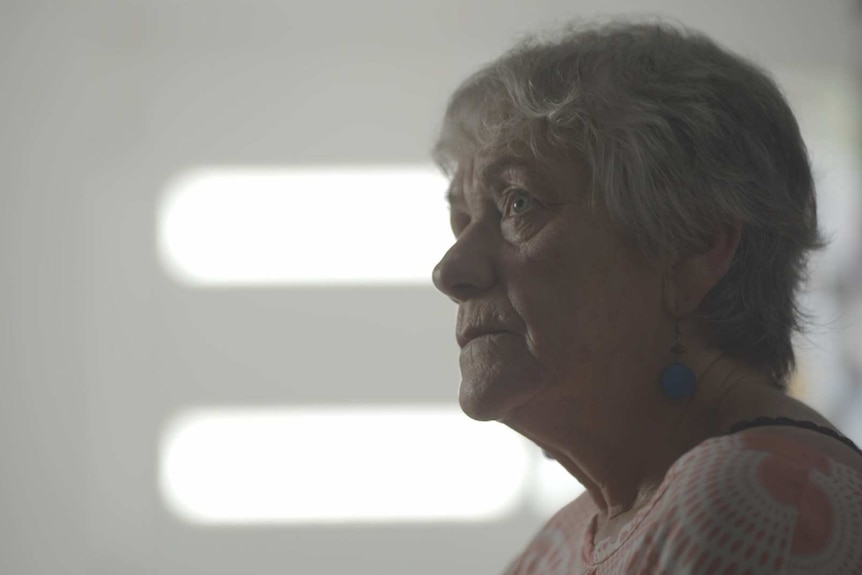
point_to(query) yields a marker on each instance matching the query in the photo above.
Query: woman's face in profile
(551, 305)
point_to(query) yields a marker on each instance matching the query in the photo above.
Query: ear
(691, 278)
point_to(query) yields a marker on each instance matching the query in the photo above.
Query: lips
(482, 318)
(472, 332)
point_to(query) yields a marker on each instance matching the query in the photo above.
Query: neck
(621, 452)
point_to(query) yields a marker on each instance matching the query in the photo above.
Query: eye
(517, 202)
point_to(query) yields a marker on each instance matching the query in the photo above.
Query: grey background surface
(103, 102)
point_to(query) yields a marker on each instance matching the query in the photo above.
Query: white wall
(102, 102)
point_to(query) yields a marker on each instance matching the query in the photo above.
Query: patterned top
(755, 502)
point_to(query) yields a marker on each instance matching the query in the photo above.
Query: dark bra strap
(764, 421)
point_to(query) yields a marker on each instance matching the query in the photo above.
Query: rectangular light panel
(337, 465)
(289, 226)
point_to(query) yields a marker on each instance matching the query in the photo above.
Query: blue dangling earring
(677, 380)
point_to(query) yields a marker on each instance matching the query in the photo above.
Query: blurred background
(185, 393)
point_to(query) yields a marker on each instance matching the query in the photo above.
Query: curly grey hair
(680, 137)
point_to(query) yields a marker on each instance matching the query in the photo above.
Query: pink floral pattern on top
(754, 502)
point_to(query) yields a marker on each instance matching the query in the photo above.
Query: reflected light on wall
(332, 465)
(223, 227)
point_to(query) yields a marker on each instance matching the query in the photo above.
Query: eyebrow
(491, 172)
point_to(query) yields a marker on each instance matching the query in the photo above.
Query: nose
(466, 270)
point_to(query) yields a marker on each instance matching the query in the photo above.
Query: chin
(498, 375)
(479, 410)
(488, 402)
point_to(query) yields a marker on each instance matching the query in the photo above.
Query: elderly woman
(633, 209)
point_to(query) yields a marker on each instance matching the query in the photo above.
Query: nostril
(450, 277)
(459, 293)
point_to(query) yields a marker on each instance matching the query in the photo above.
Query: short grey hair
(680, 137)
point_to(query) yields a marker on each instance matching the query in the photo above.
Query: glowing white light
(300, 226)
(340, 465)
(553, 487)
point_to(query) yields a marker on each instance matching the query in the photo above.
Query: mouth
(472, 335)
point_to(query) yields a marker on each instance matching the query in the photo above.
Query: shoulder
(768, 458)
(761, 499)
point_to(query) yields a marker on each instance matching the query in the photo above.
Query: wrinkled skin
(564, 330)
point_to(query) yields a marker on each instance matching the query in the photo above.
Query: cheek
(562, 308)
(586, 317)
